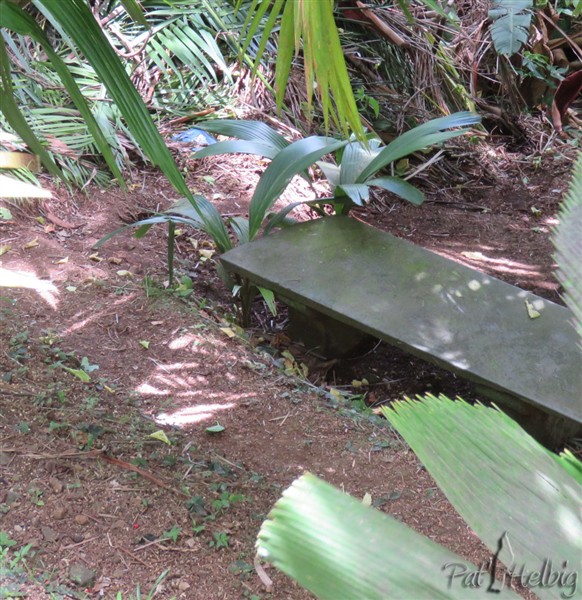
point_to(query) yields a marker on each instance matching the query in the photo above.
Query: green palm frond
(510, 489)
(310, 27)
(44, 92)
(190, 49)
(568, 242)
(340, 549)
(183, 59)
(422, 136)
(77, 20)
(14, 116)
(510, 485)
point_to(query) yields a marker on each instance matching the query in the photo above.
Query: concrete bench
(342, 277)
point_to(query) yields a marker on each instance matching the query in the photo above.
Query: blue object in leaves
(198, 136)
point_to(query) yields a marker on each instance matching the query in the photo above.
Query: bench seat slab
(440, 310)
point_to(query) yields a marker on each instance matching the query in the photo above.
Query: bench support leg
(324, 335)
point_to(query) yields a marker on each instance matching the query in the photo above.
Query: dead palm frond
(403, 54)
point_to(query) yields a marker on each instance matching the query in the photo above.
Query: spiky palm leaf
(310, 27)
(568, 242)
(189, 51)
(67, 133)
(184, 51)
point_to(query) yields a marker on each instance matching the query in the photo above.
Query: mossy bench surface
(455, 316)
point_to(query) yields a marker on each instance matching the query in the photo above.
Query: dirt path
(102, 506)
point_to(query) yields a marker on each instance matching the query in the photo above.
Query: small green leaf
(5, 213)
(269, 298)
(161, 436)
(145, 344)
(172, 534)
(5, 540)
(79, 374)
(532, 313)
(215, 429)
(87, 366)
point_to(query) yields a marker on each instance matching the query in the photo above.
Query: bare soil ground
(107, 508)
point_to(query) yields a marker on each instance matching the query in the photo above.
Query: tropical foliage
(350, 180)
(408, 61)
(77, 107)
(310, 26)
(339, 549)
(568, 241)
(100, 85)
(77, 83)
(511, 23)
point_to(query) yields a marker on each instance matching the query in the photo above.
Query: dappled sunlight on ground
(200, 383)
(28, 279)
(193, 414)
(479, 260)
(84, 318)
(158, 361)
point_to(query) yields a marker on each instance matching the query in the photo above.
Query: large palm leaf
(568, 242)
(341, 550)
(510, 489)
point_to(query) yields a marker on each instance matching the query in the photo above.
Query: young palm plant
(82, 34)
(359, 165)
(350, 180)
(288, 161)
